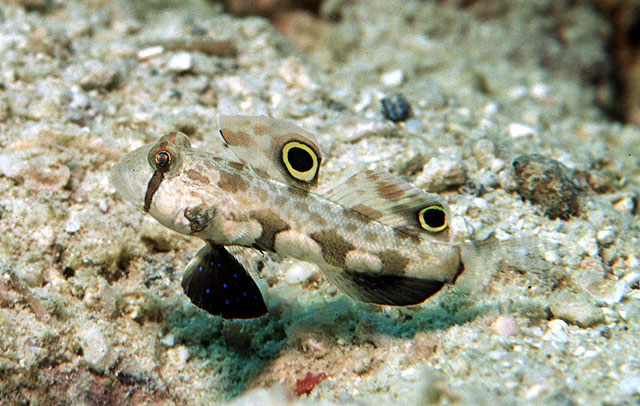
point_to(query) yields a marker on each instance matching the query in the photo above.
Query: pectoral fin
(216, 282)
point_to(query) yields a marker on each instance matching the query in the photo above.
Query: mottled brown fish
(379, 239)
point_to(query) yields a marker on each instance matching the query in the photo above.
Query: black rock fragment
(396, 108)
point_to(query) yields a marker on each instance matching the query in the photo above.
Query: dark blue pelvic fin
(216, 282)
(387, 289)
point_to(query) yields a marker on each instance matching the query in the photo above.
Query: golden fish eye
(300, 160)
(433, 218)
(162, 159)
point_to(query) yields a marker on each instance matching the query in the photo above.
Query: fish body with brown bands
(378, 238)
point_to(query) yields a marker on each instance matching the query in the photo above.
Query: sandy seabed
(505, 124)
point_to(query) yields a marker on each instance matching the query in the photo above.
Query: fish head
(140, 175)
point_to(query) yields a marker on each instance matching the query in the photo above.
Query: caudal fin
(481, 259)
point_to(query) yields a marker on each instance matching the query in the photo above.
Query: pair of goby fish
(378, 238)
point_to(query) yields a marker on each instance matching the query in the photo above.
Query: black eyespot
(300, 160)
(162, 159)
(433, 218)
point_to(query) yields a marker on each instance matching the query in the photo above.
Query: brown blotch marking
(392, 261)
(281, 200)
(363, 213)
(390, 190)
(301, 206)
(236, 165)
(407, 233)
(172, 137)
(210, 162)
(197, 176)
(236, 139)
(271, 224)
(260, 130)
(372, 176)
(154, 184)
(262, 172)
(351, 227)
(232, 183)
(334, 247)
(318, 219)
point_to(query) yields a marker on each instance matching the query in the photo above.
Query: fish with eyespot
(376, 237)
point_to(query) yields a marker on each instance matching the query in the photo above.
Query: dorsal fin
(389, 200)
(275, 149)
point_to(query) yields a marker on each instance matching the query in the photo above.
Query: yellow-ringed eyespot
(162, 159)
(300, 160)
(433, 218)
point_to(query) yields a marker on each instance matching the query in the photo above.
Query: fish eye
(433, 218)
(162, 159)
(300, 160)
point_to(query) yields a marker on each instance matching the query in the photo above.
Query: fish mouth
(131, 176)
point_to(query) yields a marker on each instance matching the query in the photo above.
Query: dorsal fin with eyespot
(275, 149)
(389, 200)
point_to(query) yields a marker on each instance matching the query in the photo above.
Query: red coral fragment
(306, 385)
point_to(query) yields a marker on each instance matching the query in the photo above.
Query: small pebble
(605, 332)
(506, 326)
(632, 261)
(396, 108)
(93, 75)
(363, 365)
(72, 226)
(588, 243)
(169, 340)
(496, 165)
(9, 166)
(103, 205)
(392, 78)
(579, 351)
(540, 91)
(45, 176)
(314, 345)
(630, 386)
(442, 173)
(575, 308)
(605, 237)
(543, 181)
(299, 273)
(517, 130)
(480, 203)
(626, 205)
(96, 348)
(100, 296)
(484, 150)
(552, 256)
(150, 52)
(180, 62)
(556, 332)
(177, 357)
